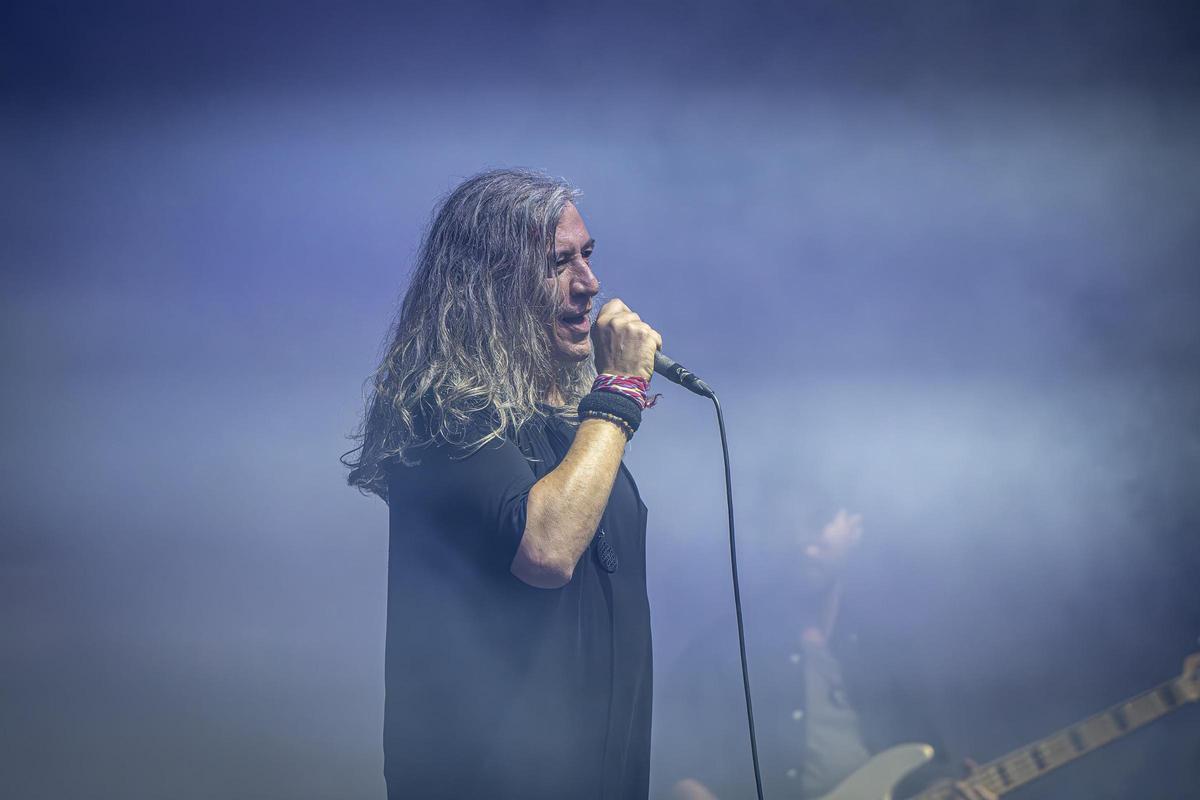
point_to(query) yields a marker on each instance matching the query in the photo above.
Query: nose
(583, 281)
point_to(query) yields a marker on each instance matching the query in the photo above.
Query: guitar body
(876, 779)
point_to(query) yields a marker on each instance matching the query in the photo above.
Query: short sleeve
(474, 499)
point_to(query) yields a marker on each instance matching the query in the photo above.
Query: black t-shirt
(496, 688)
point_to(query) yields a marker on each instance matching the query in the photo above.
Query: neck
(553, 397)
(1027, 763)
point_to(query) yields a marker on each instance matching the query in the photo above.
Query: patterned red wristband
(634, 387)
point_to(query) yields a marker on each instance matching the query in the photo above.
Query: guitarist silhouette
(810, 736)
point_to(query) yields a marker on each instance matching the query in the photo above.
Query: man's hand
(962, 791)
(838, 539)
(821, 572)
(624, 345)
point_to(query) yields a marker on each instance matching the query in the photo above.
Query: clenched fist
(624, 345)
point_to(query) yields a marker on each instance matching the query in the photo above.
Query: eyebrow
(590, 243)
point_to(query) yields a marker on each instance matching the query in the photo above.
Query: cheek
(560, 288)
(554, 295)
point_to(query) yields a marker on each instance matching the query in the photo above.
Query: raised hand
(838, 539)
(624, 345)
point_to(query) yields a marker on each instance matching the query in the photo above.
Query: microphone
(675, 372)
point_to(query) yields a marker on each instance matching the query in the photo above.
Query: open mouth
(578, 323)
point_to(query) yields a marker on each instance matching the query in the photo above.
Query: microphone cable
(675, 372)
(737, 594)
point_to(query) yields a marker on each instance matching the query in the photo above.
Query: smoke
(937, 262)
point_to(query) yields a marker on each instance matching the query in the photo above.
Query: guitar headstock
(1189, 680)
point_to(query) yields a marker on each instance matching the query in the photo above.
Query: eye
(562, 261)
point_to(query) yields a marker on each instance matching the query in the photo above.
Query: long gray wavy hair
(472, 339)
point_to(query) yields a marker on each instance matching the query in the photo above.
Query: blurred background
(938, 259)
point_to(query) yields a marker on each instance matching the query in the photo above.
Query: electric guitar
(877, 779)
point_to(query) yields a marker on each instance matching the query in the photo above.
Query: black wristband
(618, 405)
(613, 418)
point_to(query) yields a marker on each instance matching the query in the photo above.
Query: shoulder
(471, 451)
(455, 437)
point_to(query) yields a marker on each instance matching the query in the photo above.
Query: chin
(578, 358)
(573, 353)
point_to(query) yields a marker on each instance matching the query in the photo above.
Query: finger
(625, 316)
(626, 321)
(614, 306)
(633, 324)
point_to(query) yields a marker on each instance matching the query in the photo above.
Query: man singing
(518, 657)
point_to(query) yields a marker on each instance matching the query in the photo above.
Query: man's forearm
(565, 506)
